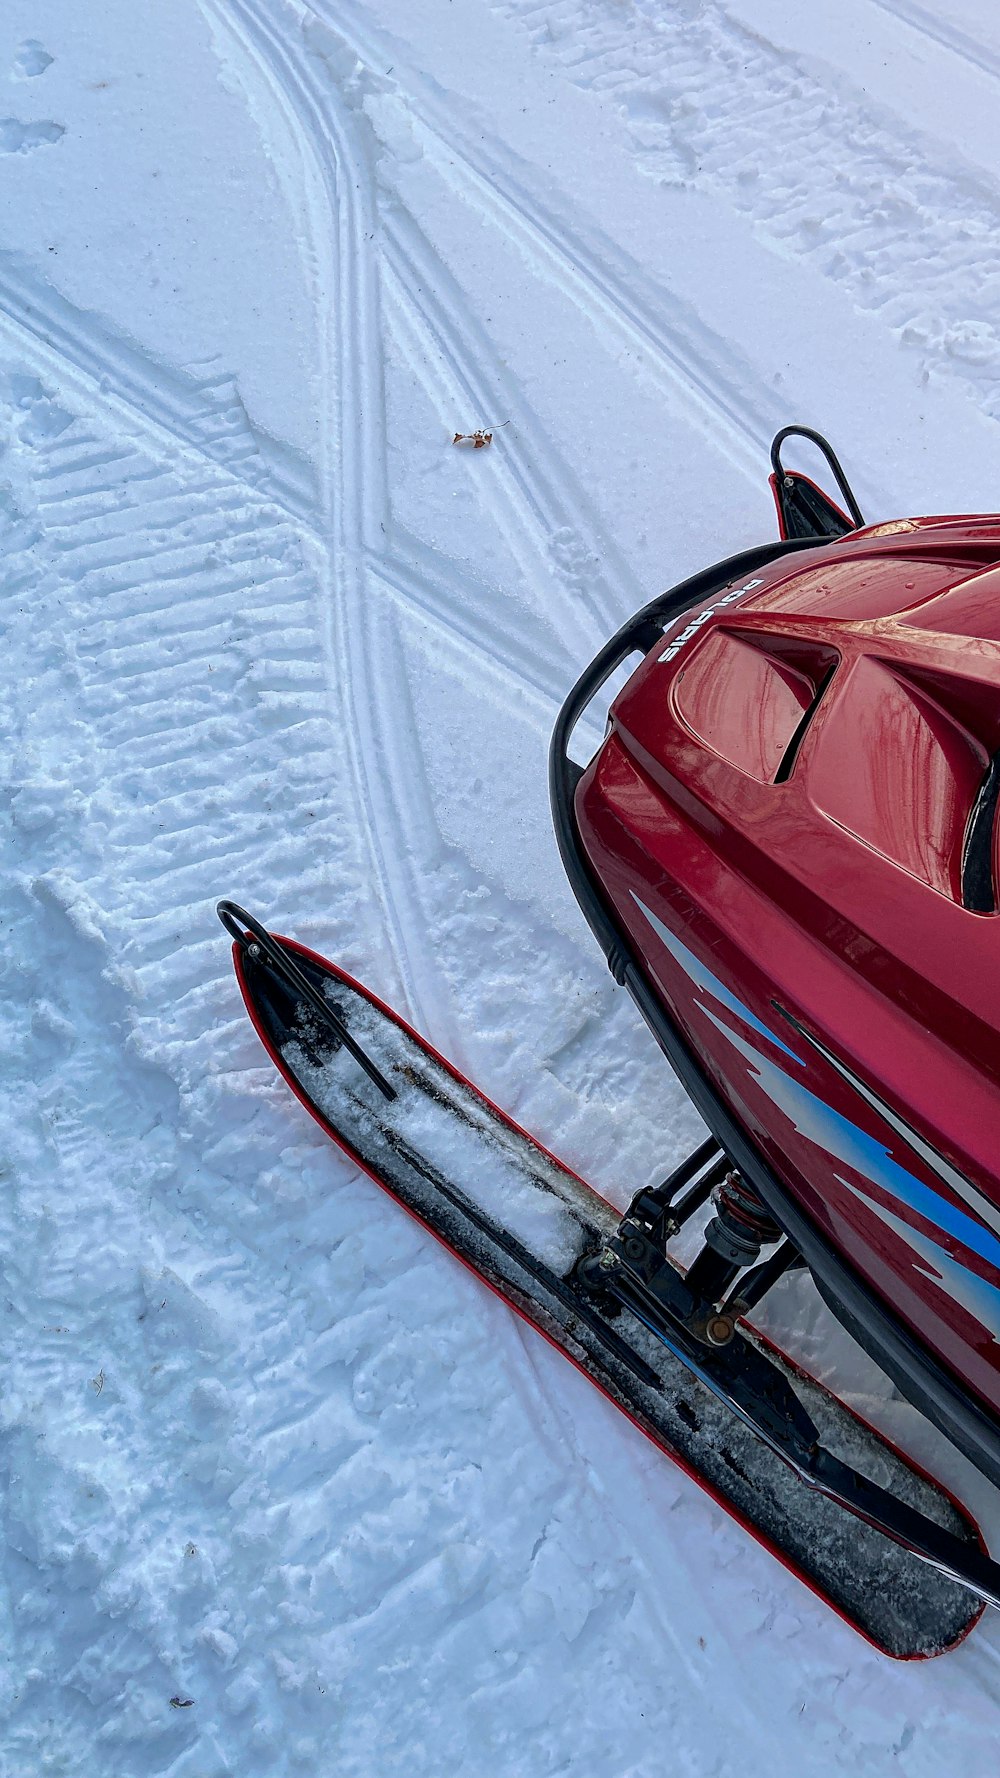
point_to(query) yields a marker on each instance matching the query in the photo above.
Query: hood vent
(979, 891)
(750, 695)
(905, 763)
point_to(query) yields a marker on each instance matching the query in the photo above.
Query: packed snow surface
(283, 1489)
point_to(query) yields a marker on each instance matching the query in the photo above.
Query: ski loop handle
(822, 444)
(262, 947)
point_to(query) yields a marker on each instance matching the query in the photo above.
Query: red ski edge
(730, 1510)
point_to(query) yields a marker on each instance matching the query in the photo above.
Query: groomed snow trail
(281, 1489)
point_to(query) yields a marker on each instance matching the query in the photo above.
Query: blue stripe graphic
(703, 978)
(844, 1141)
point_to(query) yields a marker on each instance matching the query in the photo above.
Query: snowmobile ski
(904, 1563)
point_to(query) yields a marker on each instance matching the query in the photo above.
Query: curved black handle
(833, 461)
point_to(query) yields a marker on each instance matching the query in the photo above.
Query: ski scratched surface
(521, 1221)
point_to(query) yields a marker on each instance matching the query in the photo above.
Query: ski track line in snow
(206, 418)
(356, 479)
(910, 231)
(540, 498)
(469, 612)
(942, 32)
(619, 294)
(204, 414)
(615, 307)
(389, 761)
(475, 629)
(383, 752)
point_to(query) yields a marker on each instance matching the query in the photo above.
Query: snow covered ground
(281, 1489)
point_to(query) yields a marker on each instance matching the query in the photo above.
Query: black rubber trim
(921, 1377)
(978, 886)
(791, 752)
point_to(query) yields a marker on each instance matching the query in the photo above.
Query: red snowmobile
(787, 847)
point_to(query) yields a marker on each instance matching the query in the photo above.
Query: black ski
(523, 1222)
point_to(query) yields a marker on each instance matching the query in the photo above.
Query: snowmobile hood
(793, 816)
(839, 719)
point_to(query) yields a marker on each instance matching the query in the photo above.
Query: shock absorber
(741, 1226)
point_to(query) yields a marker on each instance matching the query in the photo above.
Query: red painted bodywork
(822, 869)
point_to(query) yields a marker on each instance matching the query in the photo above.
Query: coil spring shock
(746, 1222)
(741, 1226)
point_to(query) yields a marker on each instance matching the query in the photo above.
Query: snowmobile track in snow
(823, 172)
(201, 413)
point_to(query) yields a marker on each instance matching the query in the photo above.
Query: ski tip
(258, 946)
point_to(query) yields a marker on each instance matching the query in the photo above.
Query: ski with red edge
(510, 1211)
